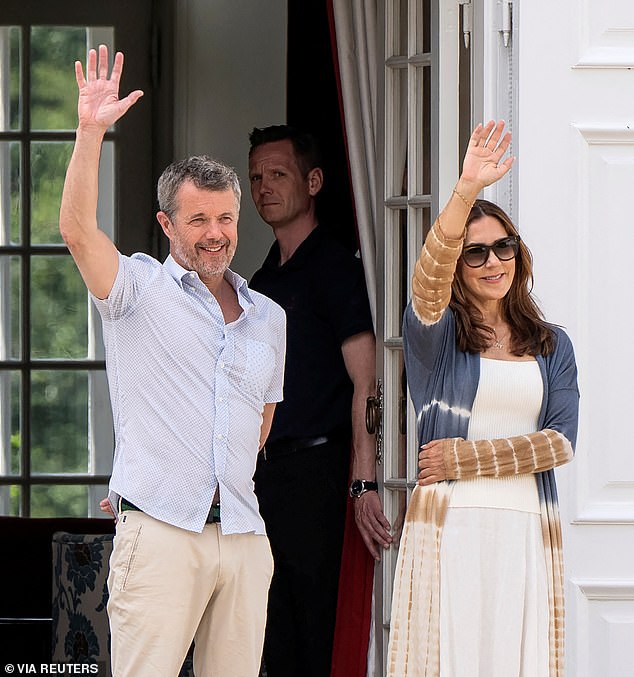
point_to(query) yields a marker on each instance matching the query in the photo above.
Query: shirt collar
(238, 283)
(302, 254)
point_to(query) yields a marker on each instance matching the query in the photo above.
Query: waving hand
(483, 164)
(98, 107)
(99, 104)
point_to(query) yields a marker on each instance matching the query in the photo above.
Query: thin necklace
(498, 342)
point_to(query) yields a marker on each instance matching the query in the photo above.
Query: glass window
(59, 309)
(10, 72)
(53, 92)
(408, 182)
(65, 500)
(48, 162)
(10, 198)
(54, 449)
(56, 431)
(59, 403)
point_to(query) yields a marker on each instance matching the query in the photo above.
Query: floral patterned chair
(80, 623)
(80, 594)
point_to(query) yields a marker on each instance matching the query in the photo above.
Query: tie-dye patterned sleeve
(433, 274)
(532, 453)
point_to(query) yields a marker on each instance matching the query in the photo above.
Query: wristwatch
(359, 487)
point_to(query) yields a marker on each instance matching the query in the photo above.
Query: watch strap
(360, 487)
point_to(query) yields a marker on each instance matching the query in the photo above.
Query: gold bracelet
(464, 199)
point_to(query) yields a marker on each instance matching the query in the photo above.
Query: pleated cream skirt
(493, 594)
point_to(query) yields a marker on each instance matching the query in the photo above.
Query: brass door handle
(372, 414)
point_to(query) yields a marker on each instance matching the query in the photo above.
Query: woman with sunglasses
(478, 589)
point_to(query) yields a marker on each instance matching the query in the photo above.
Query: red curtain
(354, 607)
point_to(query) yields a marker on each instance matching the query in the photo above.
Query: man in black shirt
(302, 474)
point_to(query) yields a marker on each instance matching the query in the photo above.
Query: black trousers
(302, 499)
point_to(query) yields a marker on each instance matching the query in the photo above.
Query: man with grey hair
(195, 363)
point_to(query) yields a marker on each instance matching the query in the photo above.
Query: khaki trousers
(169, 586)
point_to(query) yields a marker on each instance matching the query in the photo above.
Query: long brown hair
(530, 333)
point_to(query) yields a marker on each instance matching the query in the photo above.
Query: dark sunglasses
(505, 249)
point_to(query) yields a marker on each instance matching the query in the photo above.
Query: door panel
(419, 91)
(575, 147)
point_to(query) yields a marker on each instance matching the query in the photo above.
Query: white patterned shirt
(188, 392)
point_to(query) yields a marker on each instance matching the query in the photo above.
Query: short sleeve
(346, 302)
(133, 275)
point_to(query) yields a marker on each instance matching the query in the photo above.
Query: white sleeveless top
(507, 403)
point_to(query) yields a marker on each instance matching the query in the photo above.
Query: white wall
(230, 77)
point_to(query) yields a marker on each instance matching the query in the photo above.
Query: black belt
(212, 517)
(289, 446)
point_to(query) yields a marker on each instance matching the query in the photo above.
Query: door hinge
(467, 21)
(506, 20)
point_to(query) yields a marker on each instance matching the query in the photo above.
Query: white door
(569, 90)
(420, 131)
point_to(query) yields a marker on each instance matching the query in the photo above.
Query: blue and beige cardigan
(443, 382)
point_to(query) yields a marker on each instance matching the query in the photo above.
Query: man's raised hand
(99, 104)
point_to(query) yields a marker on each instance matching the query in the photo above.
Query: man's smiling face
(203, 233)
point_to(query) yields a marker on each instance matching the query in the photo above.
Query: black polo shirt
(322, 289)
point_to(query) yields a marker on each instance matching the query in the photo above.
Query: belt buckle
(214, 514)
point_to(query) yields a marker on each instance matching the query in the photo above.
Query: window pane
(59, 422)
(10, 307)
(54, 49)
(395, 416)
(396, 33)
(423, 26)
(403, 283)
(63, 500)
(396, 255)
(10, 501)
(396, 504)
(396, 110)
(59, 500)
(101, 429)
(95, 493)
(53, 86)
(423, 226)
(423, 132)
(10, 199)
(59, 309)
(10, 429)
(48, 169)
(10, 94)
(400, 434)
(105, 205)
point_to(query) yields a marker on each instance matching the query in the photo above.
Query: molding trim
(604, 135)
(605, 513)
(603, 44)
(596, 517)
(605, 58)
(605, 589)
(612, 504)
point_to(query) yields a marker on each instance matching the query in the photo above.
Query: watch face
(356, 487)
